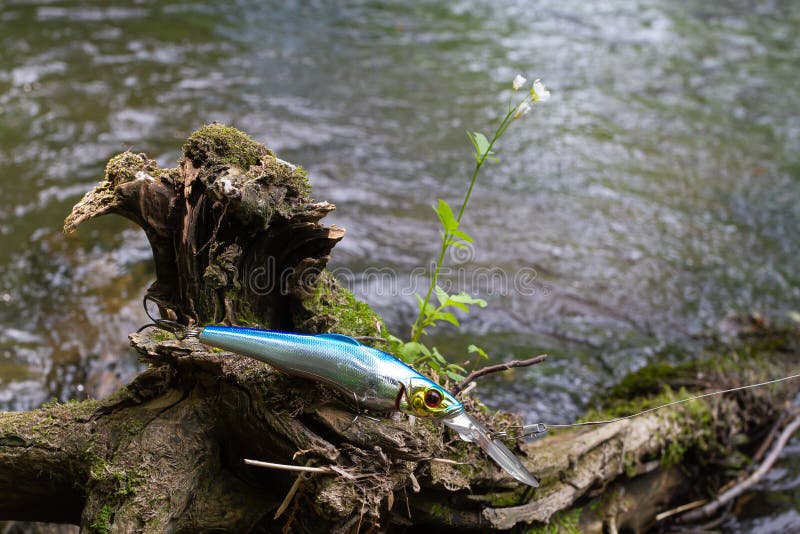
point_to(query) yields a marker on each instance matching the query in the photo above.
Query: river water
(654, 195)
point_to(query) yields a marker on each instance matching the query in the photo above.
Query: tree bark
(237, 239)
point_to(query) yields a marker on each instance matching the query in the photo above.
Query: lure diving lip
(471, 430)
(375, 380)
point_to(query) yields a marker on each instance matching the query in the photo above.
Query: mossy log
(237, 239)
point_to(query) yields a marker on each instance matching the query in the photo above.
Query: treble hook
(180, 331)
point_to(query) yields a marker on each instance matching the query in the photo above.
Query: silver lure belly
(369, 376)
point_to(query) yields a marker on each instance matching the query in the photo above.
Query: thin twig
(446, 461)
(680, 509)
(764, 447)
(287, 467)
(714, 506)
(287, 528)
(341, 472)
(499, 367)
(469, 388)
(290, 495)
(714, 523)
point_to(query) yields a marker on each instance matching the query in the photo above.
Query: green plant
(102, 524)
(430, 315)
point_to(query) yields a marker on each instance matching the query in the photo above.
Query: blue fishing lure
(373, 379)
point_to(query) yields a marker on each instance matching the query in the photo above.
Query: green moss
(564, 522)
(135, 423)
(755, 354)
(344, 313)
(686, 437)
(127, 482)
(102, 523)
(220, 144)
(630, 465)
(646, 381)
(353, 317)
(97, 471)
(122, 168)
(619, 407)
(508, 498)
(45, 427)
(51, 403)
(124, 481)
(161, 335)
(700, 436)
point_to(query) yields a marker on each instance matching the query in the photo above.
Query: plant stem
(416, 328)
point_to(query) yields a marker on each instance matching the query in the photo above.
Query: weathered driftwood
(236, 238)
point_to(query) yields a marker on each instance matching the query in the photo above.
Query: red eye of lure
(433, 398)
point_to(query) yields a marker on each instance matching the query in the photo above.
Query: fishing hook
(179, 330)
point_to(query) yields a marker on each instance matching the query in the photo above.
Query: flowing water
(655, 194)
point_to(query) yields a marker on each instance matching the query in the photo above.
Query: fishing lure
(375, 380)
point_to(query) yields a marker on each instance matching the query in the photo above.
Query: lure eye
(433, 398)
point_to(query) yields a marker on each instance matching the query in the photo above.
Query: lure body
(374, 379)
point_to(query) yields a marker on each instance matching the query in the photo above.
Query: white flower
(539, 91)
(523, 109)
(518, 82)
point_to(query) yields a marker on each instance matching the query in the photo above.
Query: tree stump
(237, 239)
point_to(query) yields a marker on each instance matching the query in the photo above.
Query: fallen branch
(713, 507)
(287, 467)
(497, 368)
(773, 432)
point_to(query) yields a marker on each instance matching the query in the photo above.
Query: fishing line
(539, 429)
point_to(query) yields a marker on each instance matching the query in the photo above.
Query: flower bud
(539, 91)
(523, 109)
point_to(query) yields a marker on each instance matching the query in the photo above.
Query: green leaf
(472, 140)
(438, 356)
(454, 375)
(462, 235)
(456, 367)
(480, 351)
(446, 216)
(481, 143)
(467, 299)
(460, 305)
(413, 350)
(396, 342)
(442, 295)
(449, 317)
